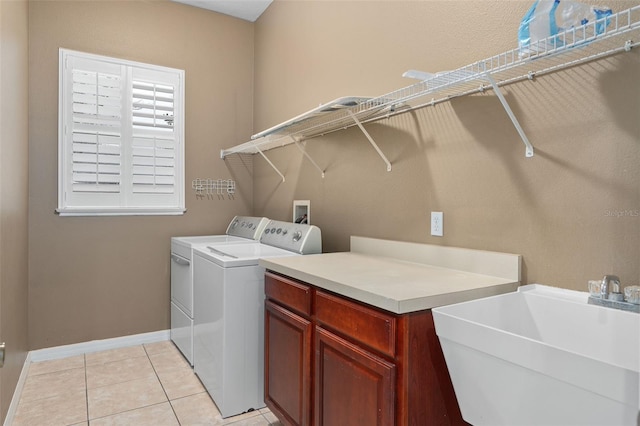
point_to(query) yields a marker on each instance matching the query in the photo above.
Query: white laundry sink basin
(542, 356)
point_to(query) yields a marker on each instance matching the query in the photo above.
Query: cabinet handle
(2, 347)
(179, 260)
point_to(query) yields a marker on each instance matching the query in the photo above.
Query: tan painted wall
(13, 194)
(93, 278)
(463, 157)
(100, 277)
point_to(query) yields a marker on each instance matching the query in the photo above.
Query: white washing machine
(241, 229)
(229, 319)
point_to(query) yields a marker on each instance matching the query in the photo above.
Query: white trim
(13, 406)
(58, 352)
(118, 61)
(78, 211)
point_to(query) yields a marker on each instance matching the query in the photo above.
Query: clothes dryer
(241, 229)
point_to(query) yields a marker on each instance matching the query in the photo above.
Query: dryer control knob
(297, 235)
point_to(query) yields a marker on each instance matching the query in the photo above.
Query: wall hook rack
(213, 187)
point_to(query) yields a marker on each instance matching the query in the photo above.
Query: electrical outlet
(437, 228)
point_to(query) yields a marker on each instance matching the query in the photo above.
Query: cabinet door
(353, 387)
(287, 365)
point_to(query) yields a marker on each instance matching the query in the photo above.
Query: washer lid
(206, 239)
(183, 245)
(235, 255)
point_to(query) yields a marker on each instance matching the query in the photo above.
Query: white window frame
(124, 200)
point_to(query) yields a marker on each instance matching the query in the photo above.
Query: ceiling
(249, 10)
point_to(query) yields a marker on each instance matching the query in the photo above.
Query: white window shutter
(153, 105)
(156, 136)
(96, 162)
(121, 137)
(92, 143)
(154, 165)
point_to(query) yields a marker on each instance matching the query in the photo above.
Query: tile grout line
(146, 355)
(161, 385)
(225, 422)
(146, 406)
(126, 411)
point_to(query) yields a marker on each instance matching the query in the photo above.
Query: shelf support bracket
(514, 120)
(302, 150)
(371, 141)
(270, 163)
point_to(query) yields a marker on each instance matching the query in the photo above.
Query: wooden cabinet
(333, 361)
(288, 364)
(352, 386)
(288, 350)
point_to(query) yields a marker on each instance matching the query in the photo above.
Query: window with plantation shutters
(121, 137)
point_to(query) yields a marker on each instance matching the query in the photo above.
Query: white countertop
(398, 285)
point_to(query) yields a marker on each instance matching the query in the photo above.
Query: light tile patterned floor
(149, 384)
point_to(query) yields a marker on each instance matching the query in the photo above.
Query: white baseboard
(13, 406)
(58, 352)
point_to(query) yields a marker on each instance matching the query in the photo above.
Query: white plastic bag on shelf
(548, 18)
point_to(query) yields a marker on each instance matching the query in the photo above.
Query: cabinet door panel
(288, 365)
(353, 387)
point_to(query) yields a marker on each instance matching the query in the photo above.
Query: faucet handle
(595, 287)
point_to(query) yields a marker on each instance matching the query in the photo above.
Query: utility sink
(542, 356)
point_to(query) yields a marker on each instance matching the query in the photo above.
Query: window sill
(120, 212)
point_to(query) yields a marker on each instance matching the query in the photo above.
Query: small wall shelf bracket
(371, 141)
(302, 150)
(514, 120)
(270, 163)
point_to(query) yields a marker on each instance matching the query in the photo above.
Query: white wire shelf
(572, 47)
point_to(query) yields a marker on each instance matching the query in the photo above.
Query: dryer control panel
(247, 227)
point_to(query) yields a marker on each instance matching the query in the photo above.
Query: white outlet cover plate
(437, 227)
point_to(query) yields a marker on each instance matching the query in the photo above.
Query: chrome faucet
(604, 288)
(610, 296)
